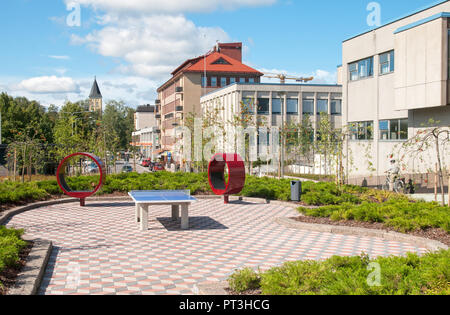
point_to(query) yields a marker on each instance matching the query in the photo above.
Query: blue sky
(133, 48)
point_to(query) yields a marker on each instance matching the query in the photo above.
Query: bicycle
(398, 187)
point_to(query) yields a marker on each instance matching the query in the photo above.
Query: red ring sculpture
(216, 174)
(82, 195)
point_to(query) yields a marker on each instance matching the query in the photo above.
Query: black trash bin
(296, 190)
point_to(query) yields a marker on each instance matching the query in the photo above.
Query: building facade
(180, 96)
(395, 78)
(277, 104)
(147, 134)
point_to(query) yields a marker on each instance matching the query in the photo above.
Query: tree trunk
(30, 166)
(441, 174)
(24, 163)
(15, 163)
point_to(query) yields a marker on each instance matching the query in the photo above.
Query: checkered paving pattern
(99, 249)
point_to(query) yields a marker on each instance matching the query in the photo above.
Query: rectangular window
(362, 130)
(387, 62)
(336, 107)
(276, 106)
(322, 106)
(232, 80)
(223, 82)
(353, 69)
(361, 69)
(395, 129)
(204, 81)
(241, 80)
(248, 105)
(214, 81)
(263, 106)
(292, 106)
(251, 80)
(308, 107)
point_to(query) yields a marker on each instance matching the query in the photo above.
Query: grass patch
(410, 275)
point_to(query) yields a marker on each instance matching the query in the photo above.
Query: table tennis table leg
(175, 212)
(138, 214)
(144, 217)
(185, 217)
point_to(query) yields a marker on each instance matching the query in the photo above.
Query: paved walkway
(100, 249)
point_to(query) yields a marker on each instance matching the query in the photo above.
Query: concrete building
(395, 78)
(180, 95)
(95, 98)
(277, 103)
(147, 134)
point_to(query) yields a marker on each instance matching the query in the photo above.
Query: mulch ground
(249, 292)
(433, 233)
(8, 277)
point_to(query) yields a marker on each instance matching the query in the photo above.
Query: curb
(30, 278)
(431, 245)
(4, 216)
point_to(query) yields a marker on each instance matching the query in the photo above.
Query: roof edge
(423, 21)
(398, 19)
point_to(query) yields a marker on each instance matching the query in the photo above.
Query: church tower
(95, 98)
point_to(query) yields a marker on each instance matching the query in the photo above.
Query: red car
(146, 163)
(158, 168)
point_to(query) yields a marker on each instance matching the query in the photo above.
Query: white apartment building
(395, 78)
(277, 103)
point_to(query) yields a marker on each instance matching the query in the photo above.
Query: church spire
(95, 90)
(95, 98)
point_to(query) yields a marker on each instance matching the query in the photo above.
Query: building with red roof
(181, 94)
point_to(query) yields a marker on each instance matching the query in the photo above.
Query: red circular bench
(82, 195)
(236, 172)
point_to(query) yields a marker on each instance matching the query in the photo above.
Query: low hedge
(410, 275)
(401, 214)
(10, 246)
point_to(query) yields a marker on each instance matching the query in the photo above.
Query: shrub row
(410, 275)
(403, 215)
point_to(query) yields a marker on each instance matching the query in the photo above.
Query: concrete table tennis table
(174, 198)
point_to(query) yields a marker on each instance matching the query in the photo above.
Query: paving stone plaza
(99, 249)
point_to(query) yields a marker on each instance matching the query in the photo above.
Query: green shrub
(410, 275)
(244, 280)
(10, 246)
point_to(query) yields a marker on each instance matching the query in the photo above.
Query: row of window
(263, 105)
(364, 68)
(224, 81)
(394, 129)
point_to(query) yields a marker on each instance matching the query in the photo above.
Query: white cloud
(170, 6)
(59, 57)
(49, 84)
(151, 46)
(131, 89)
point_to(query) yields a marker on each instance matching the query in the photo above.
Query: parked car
(146, 163)
(158, 167)
(127, 169)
